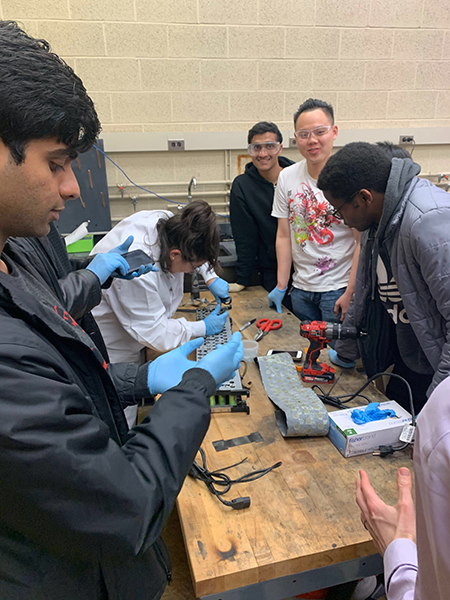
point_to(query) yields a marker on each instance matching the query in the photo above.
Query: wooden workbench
(302, 530)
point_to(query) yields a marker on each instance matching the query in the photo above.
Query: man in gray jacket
(404, 265)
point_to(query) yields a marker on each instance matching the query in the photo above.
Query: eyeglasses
(195, 268)
(336, 213)
(269, 147)
(303, 134)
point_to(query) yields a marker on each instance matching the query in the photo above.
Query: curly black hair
(354, 167)
(393, 151)
(40, 96)
(193, 231)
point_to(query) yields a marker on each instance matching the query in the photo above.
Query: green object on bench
(84, 245)
(222, 400)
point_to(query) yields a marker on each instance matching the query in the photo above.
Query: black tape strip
(240, 441)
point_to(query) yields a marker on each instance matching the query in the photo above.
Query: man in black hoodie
(254, 229)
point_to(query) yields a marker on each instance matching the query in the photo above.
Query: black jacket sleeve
(130, 381)
(79, 263)
(65, 483)
(245, 233)
(81, 292)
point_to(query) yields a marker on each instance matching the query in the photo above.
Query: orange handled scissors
(266, 325)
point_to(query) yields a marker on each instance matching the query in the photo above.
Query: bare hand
(342, 305)
(387, 523)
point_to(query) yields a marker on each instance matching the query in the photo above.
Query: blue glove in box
(352, 439)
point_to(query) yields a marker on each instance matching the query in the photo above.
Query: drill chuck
(324, 331)
(336, 331)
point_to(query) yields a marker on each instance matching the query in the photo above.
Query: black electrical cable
(338, 402)
(335, 401)
(212, 479)
(143, 188)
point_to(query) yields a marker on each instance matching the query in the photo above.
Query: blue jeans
(315, 306)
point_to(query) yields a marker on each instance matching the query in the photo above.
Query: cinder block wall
(221, 65)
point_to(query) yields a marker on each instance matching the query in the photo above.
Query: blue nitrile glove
(333, 356)
(372, 412)
(104, 265)
(220, 288)
(123, 247)
(112, 264)
(224, 361)
(167, 370)
(143, 270)
(276, 298)
(214, 322)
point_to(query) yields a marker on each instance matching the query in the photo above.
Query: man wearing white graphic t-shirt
(322, 249)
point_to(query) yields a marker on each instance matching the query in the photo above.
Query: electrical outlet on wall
(406, 139)
(175, 145)
(292, 142)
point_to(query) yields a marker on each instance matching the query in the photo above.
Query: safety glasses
(317, 132)
(270, 147)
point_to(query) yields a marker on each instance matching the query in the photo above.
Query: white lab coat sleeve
(206, 272)
(140, 310)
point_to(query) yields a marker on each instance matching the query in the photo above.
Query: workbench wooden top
(303, 515)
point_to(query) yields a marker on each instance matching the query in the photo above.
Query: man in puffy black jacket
(78, 288)
(83, 500)
(251, 199)
(79, 291)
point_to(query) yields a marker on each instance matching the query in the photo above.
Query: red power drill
(319, 333)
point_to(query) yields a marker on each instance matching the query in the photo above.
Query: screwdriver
(247, 325)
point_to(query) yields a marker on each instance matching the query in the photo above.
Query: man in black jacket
(254, 229)
(79, 291)
(74, 280)
(83, 500)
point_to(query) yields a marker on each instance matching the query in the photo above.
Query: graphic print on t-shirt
(310, 220)
(322, 246)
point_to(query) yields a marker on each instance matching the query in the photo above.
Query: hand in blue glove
(223, 362)
(167, 370)
(276, 298)
(112, 264)
(336, 360)
(143, 269)
(104, 265)
(214, 322)
(220, 288)
(123, 247)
